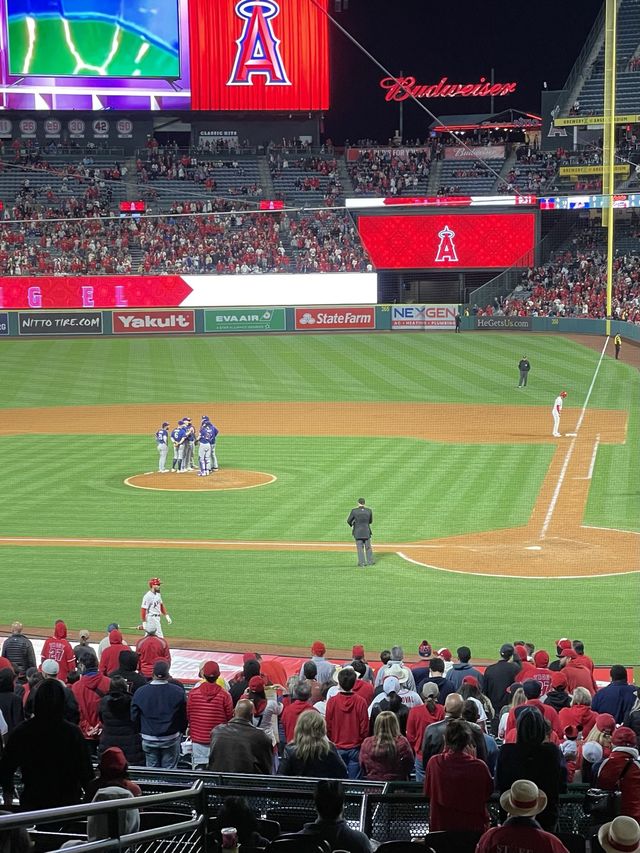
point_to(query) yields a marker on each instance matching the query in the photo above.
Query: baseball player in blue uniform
(178, 435)
(214, 458)
(190, 445)
(205, 438)
(162, 441)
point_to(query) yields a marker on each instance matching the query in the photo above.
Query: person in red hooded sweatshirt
(532, 689)
(579, 713)
(57, 648)
(347, 721)
(541, 672)
(301, 703)
(208, 706)
(110, 660)
(526, 667)
(150, 649)
(88, 691)
(576, 673)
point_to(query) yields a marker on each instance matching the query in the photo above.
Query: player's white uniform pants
(556, 421)
(154, 622)
(214, 458)
(162, 456)
(204, 455)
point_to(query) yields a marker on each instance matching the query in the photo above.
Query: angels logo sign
(249, 55)
(258, 47)
(446, 247)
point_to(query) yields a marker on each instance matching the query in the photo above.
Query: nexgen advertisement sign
(323, 319)
(153, 322)
(419, 317)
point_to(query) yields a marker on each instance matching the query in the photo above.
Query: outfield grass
(73, 486)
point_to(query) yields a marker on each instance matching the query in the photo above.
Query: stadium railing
(186, 834)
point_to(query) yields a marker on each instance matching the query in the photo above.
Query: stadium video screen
(93, 38)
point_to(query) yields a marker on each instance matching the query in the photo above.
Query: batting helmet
(563, 393)
(155, 582)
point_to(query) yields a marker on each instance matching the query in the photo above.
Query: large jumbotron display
(254, 55)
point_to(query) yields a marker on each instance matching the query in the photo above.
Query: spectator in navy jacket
(463, 667)
(160, 709)
(616, 698)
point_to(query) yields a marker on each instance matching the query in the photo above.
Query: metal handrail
(82, 810)
(123, 841)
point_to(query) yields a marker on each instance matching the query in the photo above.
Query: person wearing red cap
(557, 696)
(621, 771)
(113, 770)
(576, 674)
(555, 411)
(151, 649)
(152, 607)
(357, 653)
(208, 706)
(324, 668)
(526, 667)
(601, 733)
(561, 645)
(532, 692)
(266, 710)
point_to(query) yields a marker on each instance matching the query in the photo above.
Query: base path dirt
(554, 543)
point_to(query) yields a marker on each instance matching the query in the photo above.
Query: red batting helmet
(155, 582)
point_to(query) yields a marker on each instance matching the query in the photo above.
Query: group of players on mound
(184, 440)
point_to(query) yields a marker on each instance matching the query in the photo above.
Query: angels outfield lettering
(402, 88)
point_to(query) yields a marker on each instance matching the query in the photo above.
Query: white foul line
(593, 457)
(556, 491)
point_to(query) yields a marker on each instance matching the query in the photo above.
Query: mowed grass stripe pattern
(255, 597)
(418, 490)
(432, 366)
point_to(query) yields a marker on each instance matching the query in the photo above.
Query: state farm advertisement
(423, 317)
(150, 322)
(449, 241)
(334, 319)
(192, 291)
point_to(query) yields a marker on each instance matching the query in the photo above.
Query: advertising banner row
(190, 321)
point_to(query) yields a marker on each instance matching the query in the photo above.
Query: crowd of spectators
(464, 731)
(388, 172)
(172, 165)
(573, 284)
(327, 241)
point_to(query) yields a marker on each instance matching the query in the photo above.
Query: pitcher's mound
(224, 478)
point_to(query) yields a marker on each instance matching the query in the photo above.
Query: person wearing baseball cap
(576, 674)
(162, 444)
(498, 677)
(357, 653)
(208, 706)
(621, 770)
(521, 831)
(160, 710)
(555, 411)
(557, 696)
(324, 667)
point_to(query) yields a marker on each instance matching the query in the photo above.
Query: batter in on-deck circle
(162, 441)
(557, 408)
(178, 437)
(152, 607)
(360, 520)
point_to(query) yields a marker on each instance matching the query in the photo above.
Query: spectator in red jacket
(576, 673)
(621, 770)
(458, 784)
(150, 649)
(347, 721)
(301, 703)
(541, 672)
(387, 755)
(88, 692)
(110, 659)
(418, 720)
(208, 706)
(579, 714)
(585, 660)
(532, 689)
(520, 831)
(59, 649)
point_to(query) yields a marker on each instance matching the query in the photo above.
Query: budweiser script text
(401, 88)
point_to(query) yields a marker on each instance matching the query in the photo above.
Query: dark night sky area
(524, 42)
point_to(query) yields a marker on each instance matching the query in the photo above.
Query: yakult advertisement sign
(423, 317)
(323, 319)
(152, 322)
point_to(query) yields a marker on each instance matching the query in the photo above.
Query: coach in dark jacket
(360, 521)
(19, 649)
(117, 727)
(239, 747)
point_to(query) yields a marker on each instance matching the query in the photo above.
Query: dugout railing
(179, 831)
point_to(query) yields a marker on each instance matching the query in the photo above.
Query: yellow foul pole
(609, 141)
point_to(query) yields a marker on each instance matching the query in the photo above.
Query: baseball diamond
(461, 469)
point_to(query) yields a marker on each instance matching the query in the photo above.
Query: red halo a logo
(446, 247)
(258, 48)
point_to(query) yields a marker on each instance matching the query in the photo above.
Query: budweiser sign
(401, 88)
(133, 322)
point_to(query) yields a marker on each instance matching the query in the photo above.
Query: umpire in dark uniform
(360, 520)
(524, 367)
